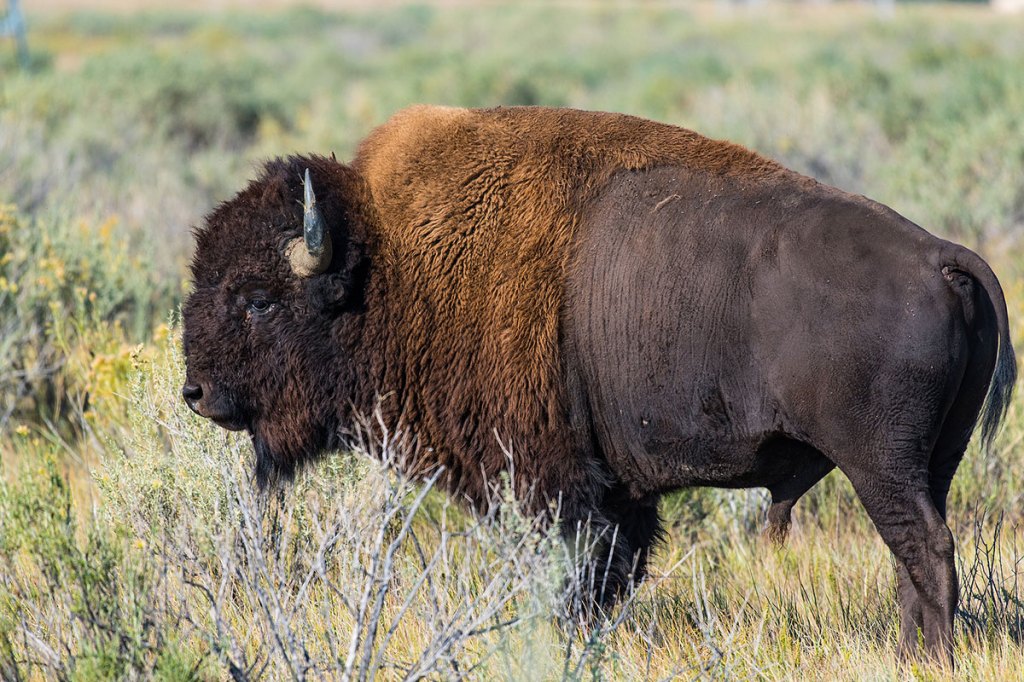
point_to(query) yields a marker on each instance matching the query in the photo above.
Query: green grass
(131, 541)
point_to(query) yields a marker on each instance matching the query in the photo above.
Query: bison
(612, 309)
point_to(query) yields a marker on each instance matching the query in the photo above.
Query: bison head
(277, 271)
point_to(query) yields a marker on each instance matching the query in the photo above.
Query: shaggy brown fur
(477, 213)
(609, 308)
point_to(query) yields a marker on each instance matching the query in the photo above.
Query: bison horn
(311, 253)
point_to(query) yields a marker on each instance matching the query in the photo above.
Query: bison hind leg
(800, 469)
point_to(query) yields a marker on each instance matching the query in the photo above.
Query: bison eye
(259, 306)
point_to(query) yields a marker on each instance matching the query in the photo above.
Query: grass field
(132, 544)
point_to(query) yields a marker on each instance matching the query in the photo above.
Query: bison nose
(192, 393)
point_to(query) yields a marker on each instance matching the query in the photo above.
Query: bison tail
(1004, 376)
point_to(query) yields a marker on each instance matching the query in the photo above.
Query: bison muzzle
(626, 307)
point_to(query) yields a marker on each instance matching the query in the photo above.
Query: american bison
(626, 306)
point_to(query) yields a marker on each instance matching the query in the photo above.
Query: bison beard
(617, 307)
(268, 467)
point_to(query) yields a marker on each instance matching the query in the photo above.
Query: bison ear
(334, 272)
(341, 290)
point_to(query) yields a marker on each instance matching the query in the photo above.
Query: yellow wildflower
(107, 228)
(161, 333)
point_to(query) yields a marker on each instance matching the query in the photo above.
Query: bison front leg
(611, 547)
(639, 527)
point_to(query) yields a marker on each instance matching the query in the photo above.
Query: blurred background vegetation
(127, 126)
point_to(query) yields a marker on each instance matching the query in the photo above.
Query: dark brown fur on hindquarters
(624, 306)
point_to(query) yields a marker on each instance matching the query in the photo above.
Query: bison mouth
(217, 406)
(230, 423)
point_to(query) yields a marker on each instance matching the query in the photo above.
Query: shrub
(185, 566)
(69, 291)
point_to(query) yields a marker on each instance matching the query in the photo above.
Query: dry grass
(182, 566)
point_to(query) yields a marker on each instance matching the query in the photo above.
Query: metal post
(14, 25)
